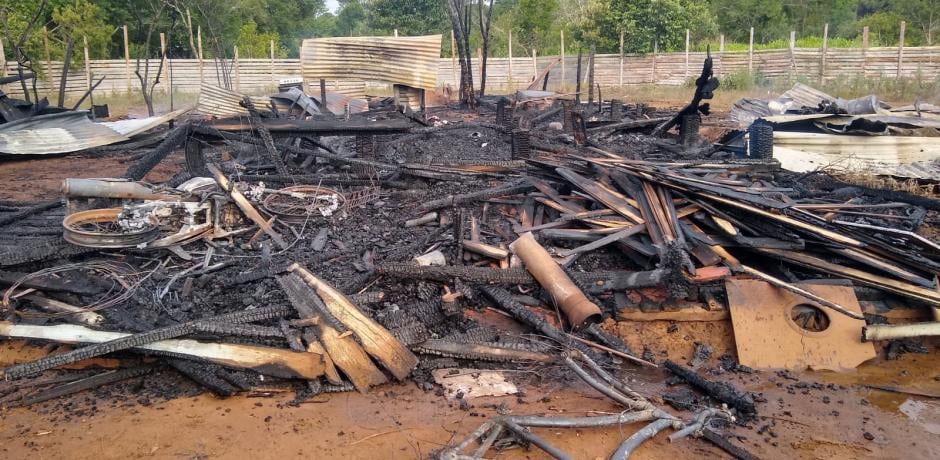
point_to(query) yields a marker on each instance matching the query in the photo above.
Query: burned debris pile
(319, 250)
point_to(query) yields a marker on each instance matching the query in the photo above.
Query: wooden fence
(261, 75)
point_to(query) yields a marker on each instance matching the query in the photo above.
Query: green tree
(924, 15)
(808, 17)
(883, 28)
(410, 17)
(533, 23)
(80, 19)
(736, 17)
(254, 44)
(351, 20)
(646, 23)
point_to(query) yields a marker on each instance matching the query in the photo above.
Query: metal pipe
(875, 332)
(99, 188)
(576, 306)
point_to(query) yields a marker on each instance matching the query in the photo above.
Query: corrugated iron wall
(411, 61)
(260, 75)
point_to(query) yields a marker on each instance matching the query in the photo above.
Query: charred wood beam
(173, 139)
(36, 209)
(213, 132)
(87, 383)
(280, 126)
(141, 339)
(719, 390)
(50, 284)
(504, 300)
(512, 188)
(483, 352)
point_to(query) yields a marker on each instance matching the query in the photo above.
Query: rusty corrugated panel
(336, 103)
(55, 133)
(411, 61)
(221, 102)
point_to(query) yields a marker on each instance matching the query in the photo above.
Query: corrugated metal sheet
(221, 102)
(55, 133)
(903, 156)
(411, 61)
(336, 103)
(295, 97)
(134, 126)
(806, 96)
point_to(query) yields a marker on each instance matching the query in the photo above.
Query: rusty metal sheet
(767, 336)
(336, 103)
(411, 61)
(221, 102)
(55, 133)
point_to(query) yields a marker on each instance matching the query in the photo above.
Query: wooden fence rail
(261, 75)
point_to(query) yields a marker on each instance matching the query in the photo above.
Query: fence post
(621, 59)
(563, 81)
(163, 60)
(396, 33)
(199, 47)
(238, 77)
(127, 61)
(792, 53)
(91, 97)
(535, 65)
(864, 50)
(272, 63)
(750, 52)
(512, 83)
(653, 67)
(721, 53)
(686, 54)
(48, 66)
(901, 48)
(825, 50)
(480, 67)
(453, 56)
(3, 61)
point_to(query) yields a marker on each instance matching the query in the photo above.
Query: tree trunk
(456, 9)
(485, 34)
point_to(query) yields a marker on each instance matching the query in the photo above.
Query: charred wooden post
(578, 128)
(520, 144)
(590, 76)
(689, 128)
(577, 86)
(616, 110)
(705, 86)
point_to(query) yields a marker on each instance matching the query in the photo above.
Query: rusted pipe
(546, 271)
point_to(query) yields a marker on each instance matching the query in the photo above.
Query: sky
(332, 5)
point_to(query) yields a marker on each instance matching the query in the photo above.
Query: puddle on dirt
(917, 372)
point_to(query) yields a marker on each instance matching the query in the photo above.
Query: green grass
(782, 44)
